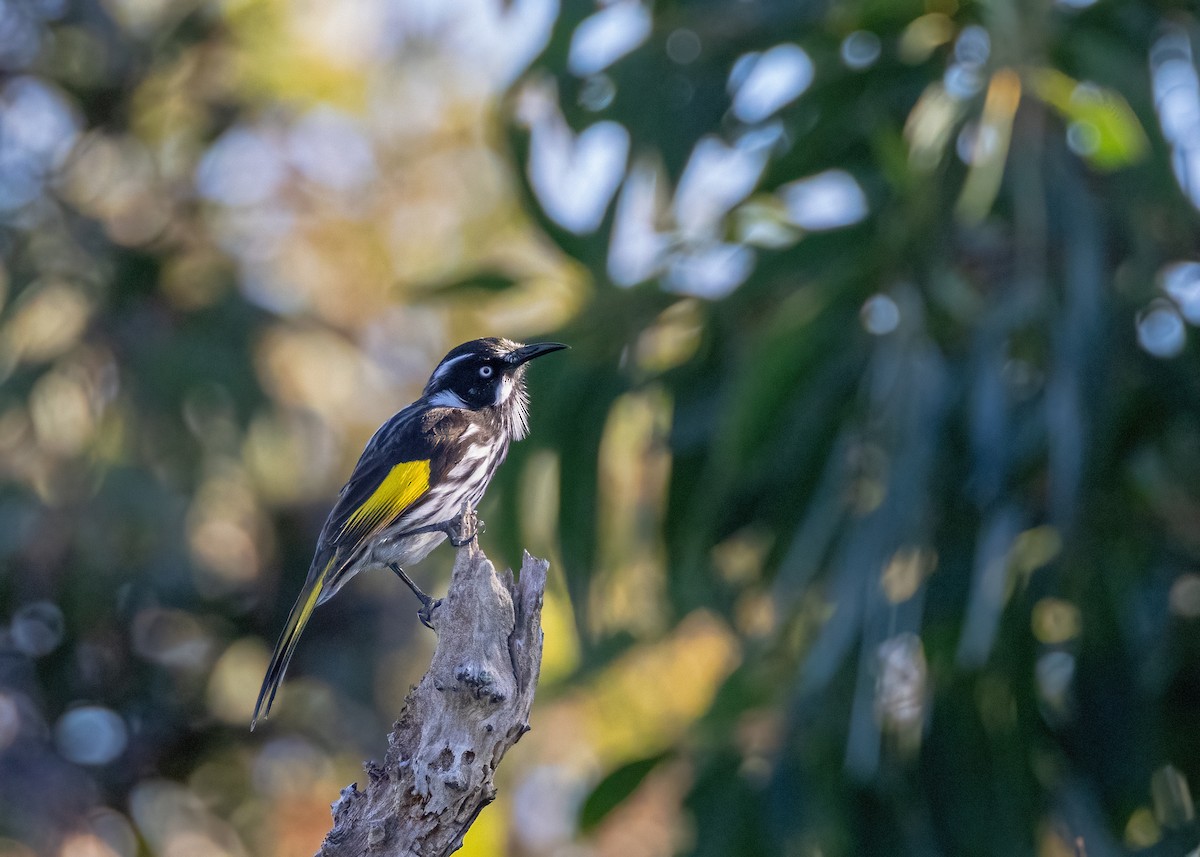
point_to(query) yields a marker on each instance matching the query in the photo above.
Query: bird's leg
(428, 605)
(452, 528)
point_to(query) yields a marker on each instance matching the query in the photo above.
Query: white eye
(485, 371)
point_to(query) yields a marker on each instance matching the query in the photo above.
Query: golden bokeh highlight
(925, 34)
(47, 319)
(86, 845)
(62, 413)
(673, 339)
(645, 701)
(1056, 621)
(634, 466)
(906, 571)
(1142, 830)
(176, 823)
(228, 534)
(239, 668)
(1034, 549)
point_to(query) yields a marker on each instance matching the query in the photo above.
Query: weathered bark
(457, 723)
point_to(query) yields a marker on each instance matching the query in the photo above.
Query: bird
(414, 476)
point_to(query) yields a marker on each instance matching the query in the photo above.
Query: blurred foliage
(870, 478)
(931, 465)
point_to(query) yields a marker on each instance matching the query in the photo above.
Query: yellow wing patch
(407, 481)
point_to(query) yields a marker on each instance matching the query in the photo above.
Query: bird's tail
(297, 619)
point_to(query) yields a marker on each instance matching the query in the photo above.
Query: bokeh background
(871, 482)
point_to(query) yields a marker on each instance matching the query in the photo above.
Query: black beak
(527, 352)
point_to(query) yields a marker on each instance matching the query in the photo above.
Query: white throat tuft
(512, 402)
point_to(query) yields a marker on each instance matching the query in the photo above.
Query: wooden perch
(457, 723)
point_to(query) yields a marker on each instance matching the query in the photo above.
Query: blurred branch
(457, 723)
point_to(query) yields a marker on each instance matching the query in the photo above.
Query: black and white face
(472, 381)
(483, 373)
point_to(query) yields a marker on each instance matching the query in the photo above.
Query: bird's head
(486, 373)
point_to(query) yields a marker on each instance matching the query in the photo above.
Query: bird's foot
(465, 528)
(425, 614)
(428, 604)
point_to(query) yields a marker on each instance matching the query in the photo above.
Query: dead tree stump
(457, 723)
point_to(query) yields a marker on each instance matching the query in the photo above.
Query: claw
(468, 520)
(428, 605)
(466, 540)
(425, 614)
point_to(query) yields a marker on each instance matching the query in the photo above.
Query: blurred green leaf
(482, 282)
(1102, 127)
(616, 786)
